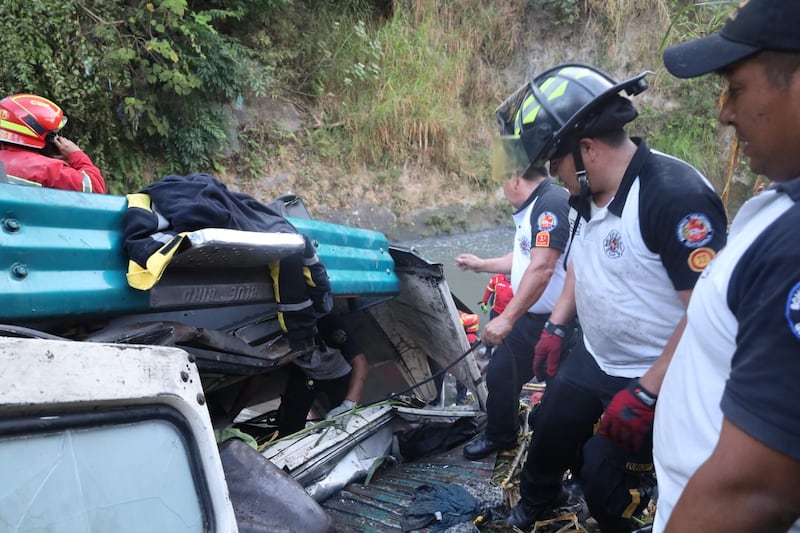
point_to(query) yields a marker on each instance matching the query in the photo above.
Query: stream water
(467, 286)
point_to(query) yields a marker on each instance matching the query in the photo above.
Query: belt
(537, 316)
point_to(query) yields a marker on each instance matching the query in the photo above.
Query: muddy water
(467, 286)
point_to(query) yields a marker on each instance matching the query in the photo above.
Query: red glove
(629, 417)
(547, 351)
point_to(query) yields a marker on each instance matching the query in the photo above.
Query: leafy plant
(564, 12)
(138, 81)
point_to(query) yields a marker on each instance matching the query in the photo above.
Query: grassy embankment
(400, 107)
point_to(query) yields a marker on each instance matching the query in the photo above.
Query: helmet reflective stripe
(546, 114)
(526, 114)
(19, 128)
(576, 72)
(28, 119)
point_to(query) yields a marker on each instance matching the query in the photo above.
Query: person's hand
(497, 329)
(547, 352)
(342, 413)
(468, 262)
(484, 308)
(629, 417)
(65, 146)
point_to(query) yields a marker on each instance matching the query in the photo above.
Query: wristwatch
(555, 329)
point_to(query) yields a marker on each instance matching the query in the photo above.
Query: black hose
(472, 348)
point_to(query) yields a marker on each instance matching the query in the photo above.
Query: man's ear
(588, 148)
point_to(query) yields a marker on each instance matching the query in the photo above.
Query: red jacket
(498, 293)
(77, 173)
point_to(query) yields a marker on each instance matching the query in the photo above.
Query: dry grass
(417, 134)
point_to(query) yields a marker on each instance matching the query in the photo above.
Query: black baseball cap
(756, 25)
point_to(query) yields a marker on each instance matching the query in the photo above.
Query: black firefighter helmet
(546, 117)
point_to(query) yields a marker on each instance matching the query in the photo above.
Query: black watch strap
(559, 330)
(644, 395)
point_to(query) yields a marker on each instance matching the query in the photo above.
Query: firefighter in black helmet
(648, 223)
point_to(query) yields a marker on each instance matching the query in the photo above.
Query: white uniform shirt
(633, 255)
(739, 354)
(542, 222)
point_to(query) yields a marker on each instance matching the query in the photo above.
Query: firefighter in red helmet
(34, 153)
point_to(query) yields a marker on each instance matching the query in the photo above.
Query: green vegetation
(395, 98)
(144, 84)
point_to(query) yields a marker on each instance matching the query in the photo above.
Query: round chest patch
(793, 310)
(524, 245)
(700, 258)
(339, 336)
(695, 230)
(613, 245)
(547, 221)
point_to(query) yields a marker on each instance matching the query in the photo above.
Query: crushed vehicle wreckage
(65, 297)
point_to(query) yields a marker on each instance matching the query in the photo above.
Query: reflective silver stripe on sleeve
(87, 182)
(287, 308)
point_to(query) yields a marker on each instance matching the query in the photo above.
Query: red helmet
(470, 321)
(27, 119)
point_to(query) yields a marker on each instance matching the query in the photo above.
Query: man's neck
(606, 180)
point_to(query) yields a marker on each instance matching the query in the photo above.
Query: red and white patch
(700, 258)
(695, 230)
(543, 239)
(547, 221)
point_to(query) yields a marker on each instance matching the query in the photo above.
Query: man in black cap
(727, 425)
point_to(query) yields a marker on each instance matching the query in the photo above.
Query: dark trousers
(510, 368)
(490, 347)
(302, 293)
(300, 393)
(563, 439)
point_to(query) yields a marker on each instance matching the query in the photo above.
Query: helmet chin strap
(581, 202)
(585, 193)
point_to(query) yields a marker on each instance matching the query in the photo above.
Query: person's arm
(487, 294)
(357, 377)
(80, 174)
(533, 283)
(476, 264)
(550, 347)
(565, 308)
(743, 486)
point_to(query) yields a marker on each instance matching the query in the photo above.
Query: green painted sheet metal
(61, 255)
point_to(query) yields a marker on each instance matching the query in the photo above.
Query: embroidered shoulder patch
(700, 258)
(543, 239)
(613, 245)
(793, 310)
(695, 230)
(547, 221)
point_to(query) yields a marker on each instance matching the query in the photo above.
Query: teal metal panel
(61, 254)
(357, 260)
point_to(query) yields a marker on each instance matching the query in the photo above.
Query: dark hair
(614, 139)
(534, 173)
(780, 66)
